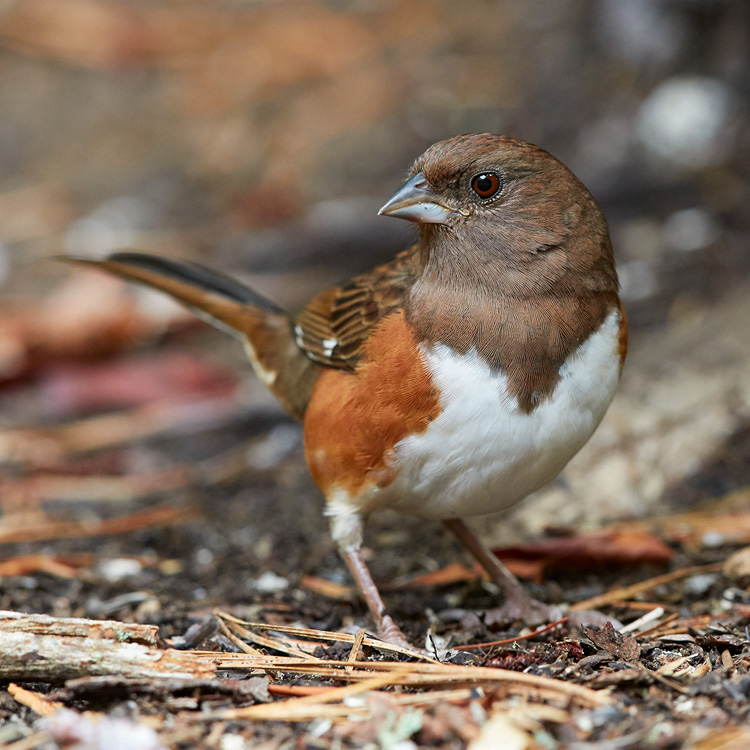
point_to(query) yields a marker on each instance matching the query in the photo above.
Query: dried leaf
(623, 647)
(591, 551)
(721, 640)
(726, 519)
(75, 388)
(450, 574)
(89, 316)
(23, 565)
(326, 588)
(160, 515)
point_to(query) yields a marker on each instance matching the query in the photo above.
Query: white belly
(482, 453)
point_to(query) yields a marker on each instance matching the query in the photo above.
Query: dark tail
(265, 328)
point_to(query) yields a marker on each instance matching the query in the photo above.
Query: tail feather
(265, 328)
(192, 274)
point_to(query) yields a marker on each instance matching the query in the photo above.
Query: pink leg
(518, 604)
(386, 625)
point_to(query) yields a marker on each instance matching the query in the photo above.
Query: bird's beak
(416, 201)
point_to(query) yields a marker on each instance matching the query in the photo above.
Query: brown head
(516, 256)
(489, 204)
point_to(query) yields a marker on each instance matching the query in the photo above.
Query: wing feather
(333, 326)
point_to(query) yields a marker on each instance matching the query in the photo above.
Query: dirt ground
(148, 480)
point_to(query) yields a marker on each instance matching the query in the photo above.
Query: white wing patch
(299, 336)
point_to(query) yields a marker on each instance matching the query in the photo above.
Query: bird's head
(487, 202)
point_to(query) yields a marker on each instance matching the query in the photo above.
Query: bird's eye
(485, 184)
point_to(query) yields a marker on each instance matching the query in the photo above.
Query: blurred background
(261, 137)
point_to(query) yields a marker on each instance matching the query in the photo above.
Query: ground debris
(44, 625)
(76, 731)
(46, 649)
(608, 639)
(682, 674)
(109, 687)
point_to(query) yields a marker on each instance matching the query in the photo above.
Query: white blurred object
(504, 730)
(157, 305)
(119, 568)
(641, 31)
(232, 742)
(278, 444)
(690, 229)
(270, 583)
(687, 121)
(637, 279)
(74, 731)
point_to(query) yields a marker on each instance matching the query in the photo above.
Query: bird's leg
(386, 625)
(346, 530)
(518, 604)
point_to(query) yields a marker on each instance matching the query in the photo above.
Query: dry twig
(166, 514)
(33, 700)
(626, 592)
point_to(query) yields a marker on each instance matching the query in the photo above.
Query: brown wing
(333, 326)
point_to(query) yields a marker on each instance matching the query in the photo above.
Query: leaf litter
(561, 683)
(676, 670)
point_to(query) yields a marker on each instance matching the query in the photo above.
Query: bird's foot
(387, 629)
(518, 604)
(392, 634)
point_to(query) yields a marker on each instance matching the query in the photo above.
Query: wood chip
(76, 627)
(641, 622)
(35, 701)
(49, 649)
(356, 646)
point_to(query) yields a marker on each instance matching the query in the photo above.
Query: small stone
(690, 229)
(713, 539)
(686, 121)
(700, 584)
(232, 742)
(638, 280)
(119, 568)
(270, 583)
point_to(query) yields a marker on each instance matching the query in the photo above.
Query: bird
(455, 379)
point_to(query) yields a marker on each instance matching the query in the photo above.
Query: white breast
(482, 453)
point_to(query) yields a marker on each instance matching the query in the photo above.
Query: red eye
(485, 184)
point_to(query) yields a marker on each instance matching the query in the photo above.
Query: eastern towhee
(460, 376)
